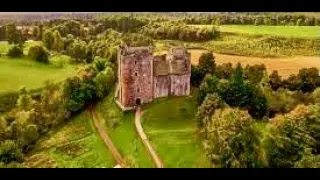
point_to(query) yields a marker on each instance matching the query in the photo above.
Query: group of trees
(38, 111)
(252, 19)
(306, 80)
(232, 138)
(231, 100)
(178, 32)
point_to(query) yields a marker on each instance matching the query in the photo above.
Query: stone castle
(142, 76)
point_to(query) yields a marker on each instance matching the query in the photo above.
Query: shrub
(15, 51)
(10, 152)
(39, 54)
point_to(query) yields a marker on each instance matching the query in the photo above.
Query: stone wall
(161, 85)
(136, 79)
(180, 85)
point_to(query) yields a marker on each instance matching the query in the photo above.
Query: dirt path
(145, 140)
(106, 139)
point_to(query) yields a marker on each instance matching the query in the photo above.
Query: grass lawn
(23, 72)
(74, 145)
(284, 31)
(124, 134)
(170, 126)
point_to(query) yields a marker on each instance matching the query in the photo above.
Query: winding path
(145, 140)
(106, 139)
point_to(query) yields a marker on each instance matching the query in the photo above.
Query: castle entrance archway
(138, 101)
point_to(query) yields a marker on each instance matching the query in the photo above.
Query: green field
(170, 126)
(284, 31)
(74, 145)
(23, 72)
(124, 134)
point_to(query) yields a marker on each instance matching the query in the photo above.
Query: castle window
(136, 74)
(138, 90)
(156, 84)
(135, 62)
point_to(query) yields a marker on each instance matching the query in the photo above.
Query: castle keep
(144, 77)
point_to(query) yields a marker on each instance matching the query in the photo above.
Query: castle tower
(135, 75)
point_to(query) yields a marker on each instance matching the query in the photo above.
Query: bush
(60, 60)
(39, 54)
(15, 51)
(10, 152)
(8, 101)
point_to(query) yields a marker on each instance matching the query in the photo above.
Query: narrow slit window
(138, 90)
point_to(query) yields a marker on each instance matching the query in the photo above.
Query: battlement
(126, 50)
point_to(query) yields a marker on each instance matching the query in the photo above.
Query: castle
(142, 76)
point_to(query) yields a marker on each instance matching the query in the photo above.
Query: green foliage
(306, 81)
(77, 50)
(207, 108)
(254, 73)
(24, 101)
(207, 63)
(178, 32)
(196, 76)
(224, 71)
(275, 80)
(13, 35)
(10, 152)
(99, 63)
(58, 43)
(232, 140)
(135, 39)
(238, 93)
(77, 93)
(210, 84)
(39, 54)
(289, 139)
(104, 81)
(15, 51)
(48, 39)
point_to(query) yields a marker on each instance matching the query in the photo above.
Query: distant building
(144, 77)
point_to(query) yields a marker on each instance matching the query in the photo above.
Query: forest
(243, 115)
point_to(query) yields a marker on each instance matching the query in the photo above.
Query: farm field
(121, 129)
(284, 31)
(170, 126)
(23, 72)
(73, 145)
(285, 66)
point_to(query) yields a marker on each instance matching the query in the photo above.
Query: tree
(238, 93)
(207, 108)
(15, 51)
(209, 85)
(99, 63)
(58, 43)
(77, 50)
(207, 63)
(39, 54)
(258, 105)
(232, 140)
(48, 39)
(13, 35)
(36, 32)
(104, 81)
(275, 80)
(289, 139)
(196, 76)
